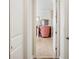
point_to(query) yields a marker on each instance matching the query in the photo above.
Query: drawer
(15, 42)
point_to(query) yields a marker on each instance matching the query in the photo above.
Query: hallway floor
(44, 48)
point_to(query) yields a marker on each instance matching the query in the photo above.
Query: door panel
(16, 17)
(17, 53)
(15, 42)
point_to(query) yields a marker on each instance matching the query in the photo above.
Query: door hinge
(56, 32)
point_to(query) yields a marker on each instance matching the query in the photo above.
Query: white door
(16, 29)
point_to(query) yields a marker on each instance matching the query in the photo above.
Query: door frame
(56, 15)
(64, 10)
(28, 28)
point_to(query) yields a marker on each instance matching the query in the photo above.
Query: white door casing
(64, 43)
(66, 46)
(28, 29)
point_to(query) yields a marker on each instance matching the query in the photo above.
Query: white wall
(44, 7)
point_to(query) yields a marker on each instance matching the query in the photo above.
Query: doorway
(46, 17)
(39, 29)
